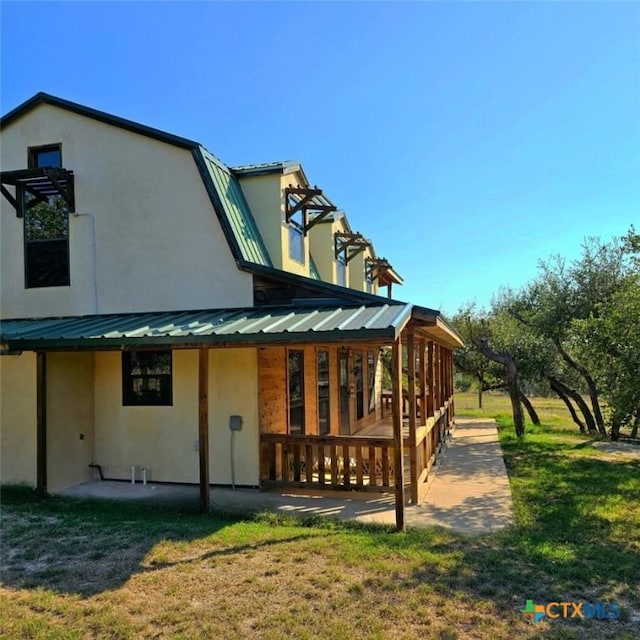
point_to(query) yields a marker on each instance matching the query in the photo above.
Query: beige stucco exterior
(321, 238)
(158, 243)
(87, 422)
(321, 245)
(357, 272)
(70, 419)
(164, 440)
(18, 419)
(265, 195)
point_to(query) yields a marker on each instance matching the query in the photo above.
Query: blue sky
(468, 140)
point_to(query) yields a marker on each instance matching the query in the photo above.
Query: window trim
(303, 426)
(295, 227)
(359, 389)
(341, 262)
(128, 397)
(328, 398)
(371, 382)
(32, 153)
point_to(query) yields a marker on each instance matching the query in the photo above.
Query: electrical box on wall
(235, 423)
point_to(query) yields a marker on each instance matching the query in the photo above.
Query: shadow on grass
(87, 546)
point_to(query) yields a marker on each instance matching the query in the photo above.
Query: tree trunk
(591, 385)
(529, 407)
(577, 398)
(480, 389)
(565, 398)
(513, 385)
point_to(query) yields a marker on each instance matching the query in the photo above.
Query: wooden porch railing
(429, 440)
(351, 462)
(329, 462)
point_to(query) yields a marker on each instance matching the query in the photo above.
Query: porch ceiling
(311, 321)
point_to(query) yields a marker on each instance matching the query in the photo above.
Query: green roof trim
(95, 114)
(265, 168)
(250, 326)
(232, 209)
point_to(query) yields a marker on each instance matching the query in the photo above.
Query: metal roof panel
(249, 325)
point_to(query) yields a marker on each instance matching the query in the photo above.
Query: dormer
(285, 207)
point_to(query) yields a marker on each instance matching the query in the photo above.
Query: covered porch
(324, 424)
(393, 452)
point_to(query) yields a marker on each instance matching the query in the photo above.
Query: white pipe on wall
(94, 258)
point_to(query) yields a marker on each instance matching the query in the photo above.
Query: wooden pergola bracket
(41, 183)
(349, 245)
(307, 200)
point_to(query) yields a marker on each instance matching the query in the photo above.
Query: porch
(364, 461)
(469, 493)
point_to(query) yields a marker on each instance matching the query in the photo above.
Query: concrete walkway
(469, 491)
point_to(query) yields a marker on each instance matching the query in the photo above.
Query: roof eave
(101, 116)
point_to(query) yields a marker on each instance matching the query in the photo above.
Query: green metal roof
(232, 209)
(307, 321)
(264, 168)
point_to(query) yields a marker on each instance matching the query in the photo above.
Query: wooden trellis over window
(381, 270)
(310, 202)
(41, 183)
(349, 245)
(375, 269)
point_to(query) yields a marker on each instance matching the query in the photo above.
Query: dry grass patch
(73, 569)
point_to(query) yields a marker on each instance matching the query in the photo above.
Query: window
(369, 283)
(341, 272)
(371, 379)
(146, 378)
(46, 229)
(296, 391)
(323, 392)
(49, 156)
(296, 242)
(359, 373)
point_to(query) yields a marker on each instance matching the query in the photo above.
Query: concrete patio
(469, 491)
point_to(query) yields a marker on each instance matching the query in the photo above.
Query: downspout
(94, 258)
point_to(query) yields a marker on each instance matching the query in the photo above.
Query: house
(212, 325)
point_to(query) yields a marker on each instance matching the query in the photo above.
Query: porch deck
(470, 492)
(364, 461)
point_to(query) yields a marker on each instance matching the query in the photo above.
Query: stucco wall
(70, 437)
(233, 390)
(18, 418)
(164, 439)
(266, 197)
(321, 245)
(159, 245)
(160, 439)
(357, 272)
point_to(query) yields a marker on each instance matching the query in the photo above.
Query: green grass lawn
(82, 569)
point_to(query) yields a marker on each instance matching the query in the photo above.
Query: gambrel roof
(240, 229)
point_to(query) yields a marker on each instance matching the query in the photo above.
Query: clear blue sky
(468, 140)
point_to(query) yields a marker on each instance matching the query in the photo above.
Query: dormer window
(296, 242)
(368, 279)
(341, 271)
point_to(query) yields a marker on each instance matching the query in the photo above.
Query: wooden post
(411, 383)
(396, 392)
(203, 427)
(431, 400)
(422, 380)
(41, 423)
